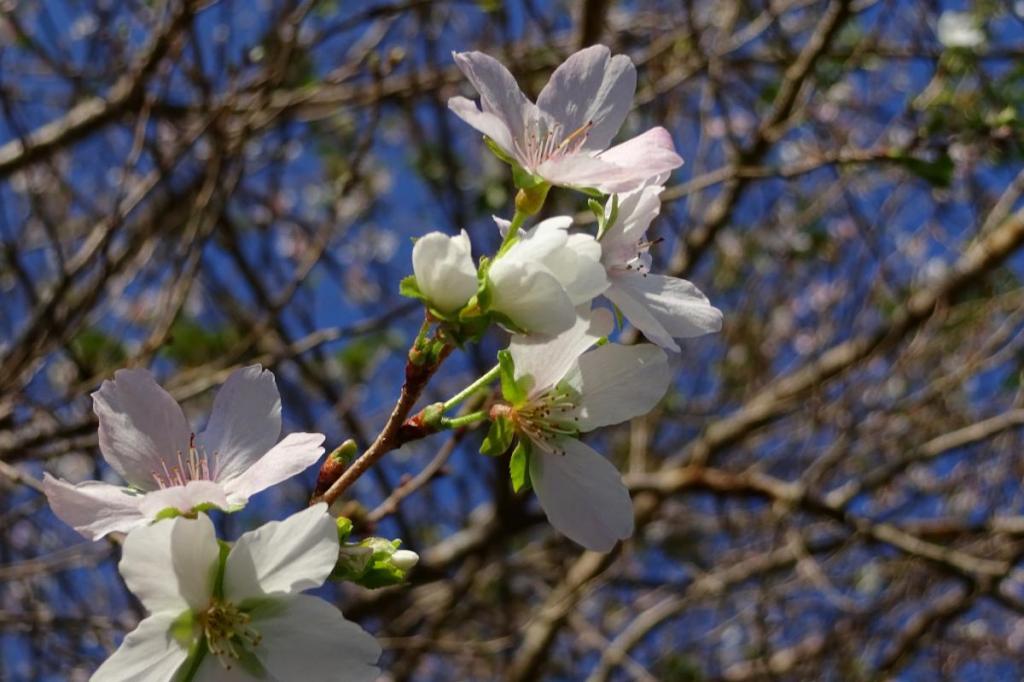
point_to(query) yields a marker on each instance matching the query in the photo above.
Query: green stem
(465, 420)
(477, 385)
(513, 232)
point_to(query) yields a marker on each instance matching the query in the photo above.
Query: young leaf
(510, 388)
(409, 288)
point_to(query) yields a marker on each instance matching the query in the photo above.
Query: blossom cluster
(234, 611)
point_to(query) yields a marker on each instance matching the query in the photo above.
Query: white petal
(94, 508)
(171, 565)
(582, 495)
(649, 154)
(487, 123)
(637, 209)
(618, 382)
(283, 556)
(141, 426)
(590, 86)
(184, 498)
(531, 297)
(541, 240)
(444, 270)
(499, 93)
(679, 306)
(293, 455)
(212, 670)
(631, 304)
(245, 422)
(305, 638)
(148, 652)
(547, 360)
(580, 260)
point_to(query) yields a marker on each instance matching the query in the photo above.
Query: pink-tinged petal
(94, 508)
(184, 498)
(141, 426)
(530, 296)
(647, 155)
(490, 125)
(679, 307)
(306, 638)
(582, 495)
(171, 566)
(630, 303)
(582, 170)
(547, 360)
(592, 87)
(499, 93)
(245, 422)
(283, 556)
(149, 652)
(617, 383)
(293, 455)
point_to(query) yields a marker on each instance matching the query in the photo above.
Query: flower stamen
(227, 632)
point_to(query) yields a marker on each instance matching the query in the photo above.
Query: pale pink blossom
(145, 438)
(564, 138)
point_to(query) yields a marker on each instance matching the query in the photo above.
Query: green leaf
(499, 437)
(344, 528)
(518, 466)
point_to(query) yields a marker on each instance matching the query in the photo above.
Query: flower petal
(581, 170)
(547, 360)
(618, 382)
(141, 426)
(489, 124)
(171, 565)
(530, 296)
(582, 495)
(94, 508)
(245, 422)
(283, 556)
(184, 498)
(444, 270)
(649, 154)
(591, 86)
(149, 652)
(680, 308)
(306, 638)
(637, 209)
(293, 455)
(631, 304)
(499, 93)
(578, 267)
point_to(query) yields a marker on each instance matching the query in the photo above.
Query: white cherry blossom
(242, 619)
(574, 390)
(444, 270)
(564, 138)
(145, 438)
(663, 308)
(960, 29)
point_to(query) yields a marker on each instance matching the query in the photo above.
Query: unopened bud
(404, 559)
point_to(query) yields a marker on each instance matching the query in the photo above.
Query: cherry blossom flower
(960, 29)
(240, 616)
(546, 273)
(444, 270)
(145, 438)
(572, 391)
(663, 308)
(564, 138)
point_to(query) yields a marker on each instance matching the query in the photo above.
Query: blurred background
(831, 491)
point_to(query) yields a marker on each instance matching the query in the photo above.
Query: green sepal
(344, 528)
(590, 192)
(184, 628)
(499, 437)
(519, 466)
(510, 389)
(598, 210)
(498, 151)
(525, 179)
(613, 216)
(410, 288)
